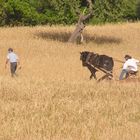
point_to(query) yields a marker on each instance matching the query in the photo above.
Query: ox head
(83, 57)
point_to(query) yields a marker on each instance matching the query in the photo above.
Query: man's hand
(19, 67)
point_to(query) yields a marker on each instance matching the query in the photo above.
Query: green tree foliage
(130, 10)
(138, 9)
(34, 12)
(114, 10)
(60, 11)
(18, 12)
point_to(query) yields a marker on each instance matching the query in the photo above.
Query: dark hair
(10, 50)
(127, 56)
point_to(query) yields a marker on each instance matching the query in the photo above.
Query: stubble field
(53, 99)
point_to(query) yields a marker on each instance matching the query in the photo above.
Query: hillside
(53, 99)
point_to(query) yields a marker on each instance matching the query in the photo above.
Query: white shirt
(131, 64)
(12, 57)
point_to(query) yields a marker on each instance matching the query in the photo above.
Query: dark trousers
(126, 73)
(13, 67)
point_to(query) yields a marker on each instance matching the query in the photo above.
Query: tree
(83, 17)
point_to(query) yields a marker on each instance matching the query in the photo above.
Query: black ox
(95, 62)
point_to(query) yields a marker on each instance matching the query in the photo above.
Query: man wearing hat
(130, 66)
(13, 59)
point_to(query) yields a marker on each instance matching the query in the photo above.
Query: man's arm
(137, 62)
(7, 60)
(18, 62)
(19, 66)
(17, 59)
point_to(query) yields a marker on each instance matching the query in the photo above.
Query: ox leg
(93, 71)
(93, 75)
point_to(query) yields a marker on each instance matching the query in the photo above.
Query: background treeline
(34, 12)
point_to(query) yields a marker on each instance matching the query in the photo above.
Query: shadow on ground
(64, 36)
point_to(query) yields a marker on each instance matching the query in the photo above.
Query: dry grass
(53, 98)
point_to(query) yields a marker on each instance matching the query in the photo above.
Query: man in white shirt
(130, 65)
(13, 59)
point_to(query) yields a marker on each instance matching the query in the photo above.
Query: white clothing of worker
(130, 65)
(12, 57)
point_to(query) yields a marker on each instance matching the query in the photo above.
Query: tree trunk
(81, 25)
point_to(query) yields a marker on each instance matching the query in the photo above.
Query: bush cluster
(35, 12)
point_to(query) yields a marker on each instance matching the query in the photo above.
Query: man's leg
(123, 73)
(13, 68)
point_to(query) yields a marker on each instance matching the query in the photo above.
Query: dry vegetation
(53, 98)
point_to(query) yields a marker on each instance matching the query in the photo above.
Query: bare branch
(81, 22)
(90, 4)
(84, 18)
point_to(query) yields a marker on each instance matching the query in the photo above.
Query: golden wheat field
(53, 99)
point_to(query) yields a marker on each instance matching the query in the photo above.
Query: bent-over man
(130, 66)
(13, 59)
